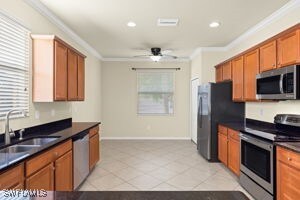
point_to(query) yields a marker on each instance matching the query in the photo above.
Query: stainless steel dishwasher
(80, 158)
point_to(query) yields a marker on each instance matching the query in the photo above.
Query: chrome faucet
(8, 131)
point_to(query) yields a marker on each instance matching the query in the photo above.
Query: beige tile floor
(160, 165)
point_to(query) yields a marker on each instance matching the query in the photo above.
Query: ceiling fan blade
(170, 56)
(142, 56)
(166, 51)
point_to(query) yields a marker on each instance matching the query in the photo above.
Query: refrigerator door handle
(200, 111)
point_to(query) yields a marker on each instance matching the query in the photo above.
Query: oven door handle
(265, 145)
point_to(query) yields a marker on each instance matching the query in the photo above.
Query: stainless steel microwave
(279, 84)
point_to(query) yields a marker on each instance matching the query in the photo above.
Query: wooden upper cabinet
(268, 56)
(219, 73)
(64, 172)
(58, 70)
(289, 49)
(72, 75)
(238, 78)
(251, 69)
(227, 71)
(288, 174)
(81, 79)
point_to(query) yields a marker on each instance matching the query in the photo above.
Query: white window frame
(137, 91)
(15, 24)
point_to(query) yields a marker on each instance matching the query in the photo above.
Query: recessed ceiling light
(214, 24)
(131, 24)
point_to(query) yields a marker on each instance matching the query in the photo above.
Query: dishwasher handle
(80, 136)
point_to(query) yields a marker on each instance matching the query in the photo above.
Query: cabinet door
(64, 173)
(60, 72)
(12, 178)
(251, 69)
(219, 73)
(289, 49)
(42, 179)
(234, 155)
(72, 75)
(288, 181)
(222, 148)
(268, 56)
(81, 78)
(94, 150)
(227, 71)
(238, 78)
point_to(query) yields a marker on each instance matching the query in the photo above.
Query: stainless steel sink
(39, 141)
(18, 148)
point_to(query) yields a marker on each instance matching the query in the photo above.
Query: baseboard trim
(145, 138)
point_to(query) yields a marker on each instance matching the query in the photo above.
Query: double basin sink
(28, 145)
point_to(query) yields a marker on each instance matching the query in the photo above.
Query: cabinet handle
(289, 159)
(274, 65)
(53, 168)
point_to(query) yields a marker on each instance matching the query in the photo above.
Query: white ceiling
(102, 23)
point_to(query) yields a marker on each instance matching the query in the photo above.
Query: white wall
(90, 109)
(260, 111)
(119, 91)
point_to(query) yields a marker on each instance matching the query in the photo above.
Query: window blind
(14, 66)
(155, 92)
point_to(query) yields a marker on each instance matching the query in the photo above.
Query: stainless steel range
(258, 153)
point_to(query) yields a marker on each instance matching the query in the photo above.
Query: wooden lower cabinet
(51, 170)
(288, 174)
(64, 172)
(94, 150)
(234, 155)
(43, 179)
(222, 148)
(12, 178)
(229, 149)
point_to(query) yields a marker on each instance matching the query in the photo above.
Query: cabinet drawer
(235, 135)
(12, 178)
(93, 131)
(289, 157)
(47, 157)
(222, 129)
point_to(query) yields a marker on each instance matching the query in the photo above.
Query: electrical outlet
(37, 114)
(261, 112)
(52, 112)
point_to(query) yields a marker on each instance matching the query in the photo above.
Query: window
(14, 62)
(155, 92)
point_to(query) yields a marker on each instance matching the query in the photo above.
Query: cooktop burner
(285, 128)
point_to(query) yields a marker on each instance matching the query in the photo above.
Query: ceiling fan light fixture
(155, 58)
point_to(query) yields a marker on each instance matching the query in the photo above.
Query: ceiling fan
(157, 54)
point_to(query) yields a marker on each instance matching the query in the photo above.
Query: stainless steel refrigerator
(215, 105)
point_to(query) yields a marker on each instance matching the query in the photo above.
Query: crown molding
(43, 10)
(288, 7)
(128, 59)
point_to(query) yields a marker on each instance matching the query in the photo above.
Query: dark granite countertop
(153, 195)
(9, 159)
(238, 126)
(294, 146)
